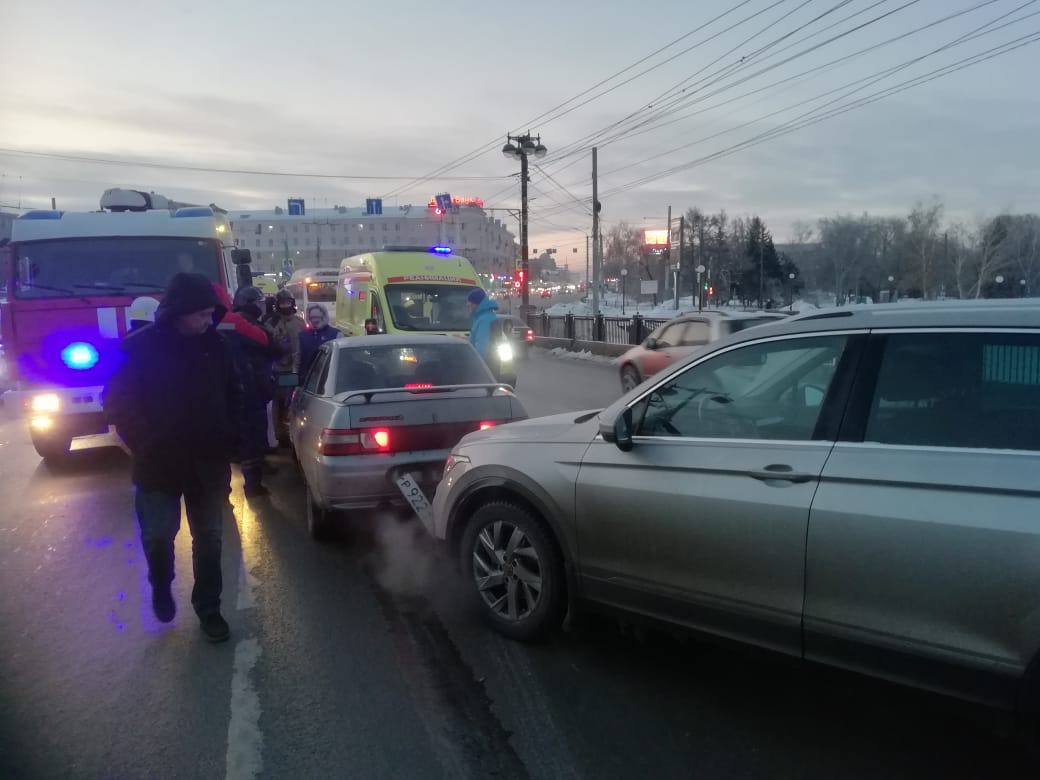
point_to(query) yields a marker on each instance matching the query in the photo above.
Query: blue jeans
(159, 515)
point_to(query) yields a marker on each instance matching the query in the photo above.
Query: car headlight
(505, 351)
(46, 403)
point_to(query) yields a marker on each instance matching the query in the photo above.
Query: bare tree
(922, 240)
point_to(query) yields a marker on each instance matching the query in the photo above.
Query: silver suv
(859, 487)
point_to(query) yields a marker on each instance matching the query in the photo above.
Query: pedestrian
(483, 313)
(253, 351)
(176, 401)
(317, 333)
(287, 327)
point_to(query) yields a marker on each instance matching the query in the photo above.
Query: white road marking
(245, 742)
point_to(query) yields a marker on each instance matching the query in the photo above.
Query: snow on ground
(565, 354)
(610, 306)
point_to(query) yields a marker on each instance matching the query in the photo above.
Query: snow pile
(566, 354)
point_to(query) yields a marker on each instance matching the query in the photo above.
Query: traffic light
(711, 291)
(518, 280)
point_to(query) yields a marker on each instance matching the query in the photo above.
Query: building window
(397, 226)
(385, 228)
(306, 228)
(295, 228)
(270, 242)
(258, 243)
(295, 241)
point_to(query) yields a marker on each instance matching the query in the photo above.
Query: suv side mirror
(241, 257)
(650, 343)
(620, 434)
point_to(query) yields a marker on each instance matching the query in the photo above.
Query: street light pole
(624, 289)
(526, 145)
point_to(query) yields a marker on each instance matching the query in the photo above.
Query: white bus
(314, 285)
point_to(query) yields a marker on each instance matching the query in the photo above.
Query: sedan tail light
(529, 336)
(353, 441)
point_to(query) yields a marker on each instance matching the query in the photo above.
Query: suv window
(958, 390)
(772, 390)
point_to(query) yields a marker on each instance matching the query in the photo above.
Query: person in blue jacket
(483, 314)
(318, 331)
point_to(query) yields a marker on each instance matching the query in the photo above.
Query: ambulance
(72, 281)
(403, 290)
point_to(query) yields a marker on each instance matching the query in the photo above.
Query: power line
(487, 147)
(805, 121)
(877, 76)
(975, 59)
(563, 189)
(583, 142)
(233, 171)
(680, 99)
(814, 70)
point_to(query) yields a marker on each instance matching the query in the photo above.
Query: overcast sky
(399, 89)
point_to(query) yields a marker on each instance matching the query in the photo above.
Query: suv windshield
(421, 365)
(64, 268)
(431, 307)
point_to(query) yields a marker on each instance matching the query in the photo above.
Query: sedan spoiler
(342, 398)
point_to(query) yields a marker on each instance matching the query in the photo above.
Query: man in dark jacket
(177, 404)
(317, 333)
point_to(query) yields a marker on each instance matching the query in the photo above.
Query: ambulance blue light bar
(194, 211)
(42, 214)
(440, 250)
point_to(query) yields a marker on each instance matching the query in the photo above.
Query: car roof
(386, 340)
(1009, 313)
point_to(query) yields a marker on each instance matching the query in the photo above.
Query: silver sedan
(376, 416)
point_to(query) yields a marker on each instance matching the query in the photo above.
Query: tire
(53, 448)
(629, 377)
(320, 525)
(515, 607)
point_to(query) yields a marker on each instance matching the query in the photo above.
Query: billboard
(655, 237)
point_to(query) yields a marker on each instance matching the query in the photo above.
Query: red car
(679, 337)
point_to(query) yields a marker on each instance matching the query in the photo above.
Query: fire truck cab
(71, 279)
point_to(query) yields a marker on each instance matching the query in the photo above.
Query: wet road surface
(362, 658)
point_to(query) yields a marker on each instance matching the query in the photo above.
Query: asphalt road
(361, 658)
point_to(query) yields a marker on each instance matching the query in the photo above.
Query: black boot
(162, 603)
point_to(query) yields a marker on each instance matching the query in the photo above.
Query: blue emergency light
(440, 250)
(79, 355)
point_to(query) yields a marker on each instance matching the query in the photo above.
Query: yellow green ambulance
(405, 290)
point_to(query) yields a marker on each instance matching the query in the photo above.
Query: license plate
(413, 494)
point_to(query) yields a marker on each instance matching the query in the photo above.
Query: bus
(314, 285)
(405, 290)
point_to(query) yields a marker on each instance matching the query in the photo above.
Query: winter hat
(476, 295)
(187, 294)
(317, 307)
(248, 299)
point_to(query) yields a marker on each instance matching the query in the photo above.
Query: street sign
(700, 269)
(648, 287)
(296, 207)
(373, 206)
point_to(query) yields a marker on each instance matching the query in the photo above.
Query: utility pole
(669, 255)
(678, 275)
(526, 145)
(597, 247)
(586, 265)
(54, 204)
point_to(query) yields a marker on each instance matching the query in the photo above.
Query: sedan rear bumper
(369, 481)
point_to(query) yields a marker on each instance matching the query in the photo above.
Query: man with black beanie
(177, 404)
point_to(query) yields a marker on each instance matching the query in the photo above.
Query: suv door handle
(779, 471)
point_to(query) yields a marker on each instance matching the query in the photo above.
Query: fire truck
(71, 279)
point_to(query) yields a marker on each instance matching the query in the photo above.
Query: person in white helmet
(141, 312)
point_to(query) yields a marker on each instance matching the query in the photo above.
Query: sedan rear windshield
(416, 367)
(64, 268)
